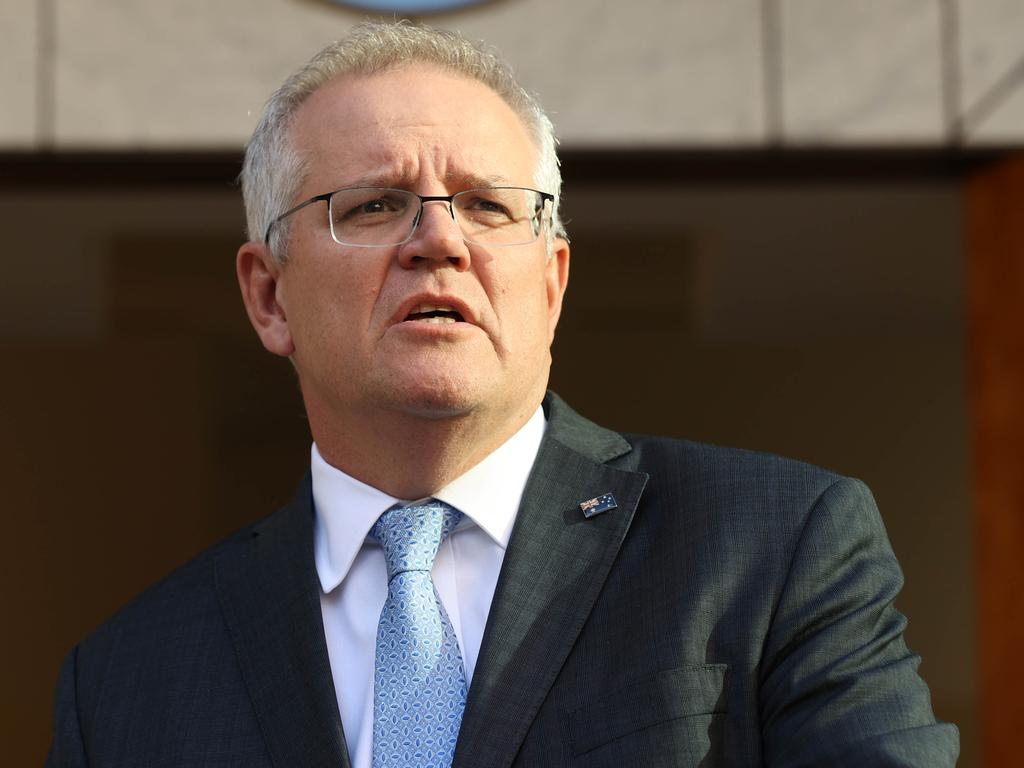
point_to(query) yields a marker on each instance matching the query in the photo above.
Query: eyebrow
(469, 180)
(457, 180)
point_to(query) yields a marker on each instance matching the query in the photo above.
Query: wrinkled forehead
(416, 118)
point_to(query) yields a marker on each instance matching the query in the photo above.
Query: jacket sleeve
(67, 749)
(838, 684)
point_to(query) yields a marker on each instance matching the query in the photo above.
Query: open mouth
(431, 314)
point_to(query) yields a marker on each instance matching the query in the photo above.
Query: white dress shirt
(353, 574)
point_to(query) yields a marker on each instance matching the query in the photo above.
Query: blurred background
(797, 226)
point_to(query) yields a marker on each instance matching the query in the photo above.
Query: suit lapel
(556, 563)
(269, 594)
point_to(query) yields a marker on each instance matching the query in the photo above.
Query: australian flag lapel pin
(598, 505)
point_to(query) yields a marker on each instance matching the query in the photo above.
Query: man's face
(352, 318)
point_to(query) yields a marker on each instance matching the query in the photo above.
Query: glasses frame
(546, 197)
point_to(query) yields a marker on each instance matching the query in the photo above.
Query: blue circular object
(409, 6)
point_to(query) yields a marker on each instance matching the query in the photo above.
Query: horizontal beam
(21, 170)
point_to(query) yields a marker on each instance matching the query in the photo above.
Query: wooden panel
(995, 203)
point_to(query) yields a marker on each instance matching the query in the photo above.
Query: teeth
(434, 313)
(422, 308)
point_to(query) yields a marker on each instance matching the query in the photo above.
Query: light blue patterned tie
(419, 687)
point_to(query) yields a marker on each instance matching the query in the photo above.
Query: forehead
(408, 126)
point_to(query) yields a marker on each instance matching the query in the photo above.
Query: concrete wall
(119, 74)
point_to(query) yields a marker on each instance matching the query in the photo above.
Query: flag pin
(597, 505)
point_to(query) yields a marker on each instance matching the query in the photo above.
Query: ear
(557, 279)
(259, 277)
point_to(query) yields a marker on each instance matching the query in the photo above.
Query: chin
(437, 399)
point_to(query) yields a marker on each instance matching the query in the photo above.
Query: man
(600, 599)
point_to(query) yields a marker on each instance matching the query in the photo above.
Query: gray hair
(274, 168)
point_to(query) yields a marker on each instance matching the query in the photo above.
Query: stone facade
(100, 74)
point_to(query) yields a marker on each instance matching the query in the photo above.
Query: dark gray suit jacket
(735, 609)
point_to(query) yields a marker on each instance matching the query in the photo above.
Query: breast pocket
(686, 692)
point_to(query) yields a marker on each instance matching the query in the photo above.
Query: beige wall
(192, 73)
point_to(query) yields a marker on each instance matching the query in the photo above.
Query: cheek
(318, 315)
(370, 293)
(525, 306)
(343, 288)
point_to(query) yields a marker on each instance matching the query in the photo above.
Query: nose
(437, 238)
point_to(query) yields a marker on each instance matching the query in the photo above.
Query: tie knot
(411, 536)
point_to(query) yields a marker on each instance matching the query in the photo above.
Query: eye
(491, 205)
(368, 205)
(373, 206)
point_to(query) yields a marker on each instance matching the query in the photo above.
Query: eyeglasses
(367, 217)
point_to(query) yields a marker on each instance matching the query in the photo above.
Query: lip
(437, 300)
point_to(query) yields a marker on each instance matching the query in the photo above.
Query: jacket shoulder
(184, 595)
(164, 619)
(703, 465)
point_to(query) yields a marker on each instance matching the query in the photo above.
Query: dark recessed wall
(815, 316)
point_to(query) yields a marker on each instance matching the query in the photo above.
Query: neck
(409, 456)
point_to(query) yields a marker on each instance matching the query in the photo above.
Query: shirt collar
(488, 495)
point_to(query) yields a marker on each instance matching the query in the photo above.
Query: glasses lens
(499, 215)
(376, 216)
(372, 216)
